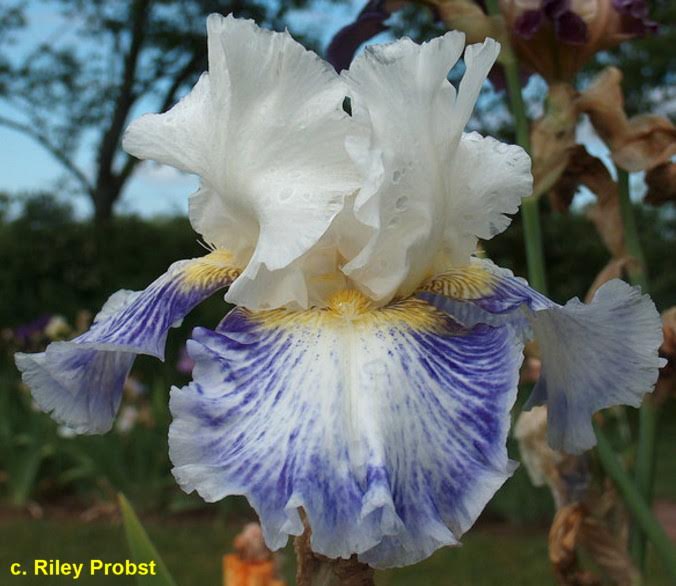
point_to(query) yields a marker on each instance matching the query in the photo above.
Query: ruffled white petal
(265, 131)
(401, 101)
(387, 427)
(489, 179)
(427, 194)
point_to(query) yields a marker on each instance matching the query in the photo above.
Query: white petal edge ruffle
(265, 131)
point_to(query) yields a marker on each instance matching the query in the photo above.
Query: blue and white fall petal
(80, 382)
(367, 375)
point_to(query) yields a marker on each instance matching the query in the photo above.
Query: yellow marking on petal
(349, 304)
(462, 283)
(213, 268)
(351, 308)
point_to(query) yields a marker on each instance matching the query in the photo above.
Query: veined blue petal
(80, 382)
(594, 355)
(387, 426)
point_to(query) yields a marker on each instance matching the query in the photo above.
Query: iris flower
(367, 374)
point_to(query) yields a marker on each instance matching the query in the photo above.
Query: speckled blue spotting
(390, 435)
(80, 382)
(593, 355)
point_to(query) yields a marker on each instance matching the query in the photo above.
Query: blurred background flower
(556, 38)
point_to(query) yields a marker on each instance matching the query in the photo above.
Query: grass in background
(192, 550)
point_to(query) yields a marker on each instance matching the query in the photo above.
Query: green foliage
(52, 263)
(141, 548)
(26, 442)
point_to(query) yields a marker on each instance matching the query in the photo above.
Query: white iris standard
(367, 375)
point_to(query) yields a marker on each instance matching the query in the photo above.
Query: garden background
(79, 220)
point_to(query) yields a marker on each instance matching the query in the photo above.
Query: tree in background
(82, 94)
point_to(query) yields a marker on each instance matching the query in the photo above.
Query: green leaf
(141, 548)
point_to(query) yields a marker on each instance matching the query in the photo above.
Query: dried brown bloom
(615, 269)
(661, 182)
(641, 143)
(539, 459)
(605, 213)
(563, 539)
(575, 527)
(666, 383)
(553, 138)
(467, 16)
(582, 169)
(637, 144)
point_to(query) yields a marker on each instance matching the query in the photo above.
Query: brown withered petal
(637, 144)
(539, 459)
(608, 551)
(584, 169)
(563, 539)
(666, 384)
(553, 138)
(581, 169)
(615, 269)
(668, 349)
(575, 526)
(467, 16)
(608, 222)
(661, 182)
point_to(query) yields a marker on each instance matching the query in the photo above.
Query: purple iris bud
(24, 332)
(570, 28)
(636, 12)
(369, 23)
(555, 8)
(528, 23)
(184, 364)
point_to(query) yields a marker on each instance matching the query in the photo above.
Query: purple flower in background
(554, 38)
(369, 23)
(572, 20)
(569, 24)
(24, 332)
(184, 364)
(636, 15)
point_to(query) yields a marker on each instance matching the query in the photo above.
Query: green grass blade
(141, 548)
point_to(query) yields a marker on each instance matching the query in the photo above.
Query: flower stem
(537, 274)
(644, 470)
(634, 496)
(637, 274)
(636, 503)
(317, 570)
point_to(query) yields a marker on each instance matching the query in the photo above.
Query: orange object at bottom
(238, 572)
